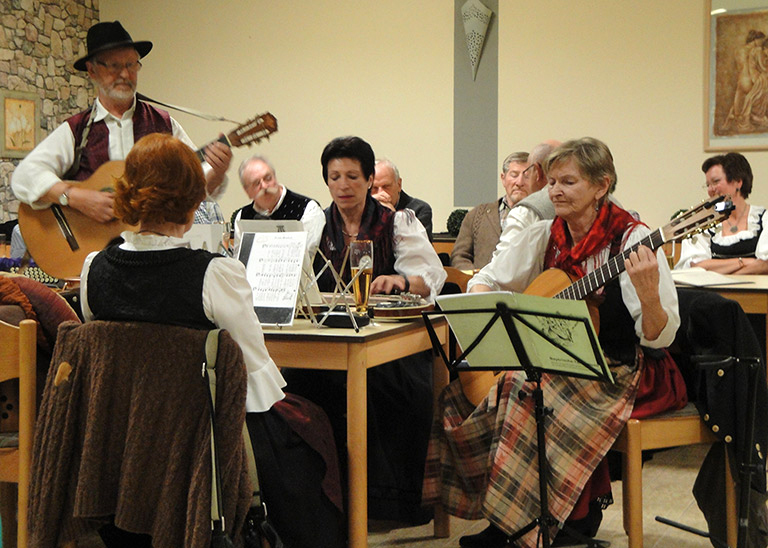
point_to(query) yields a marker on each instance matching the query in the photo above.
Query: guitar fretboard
(201, 151)
(615, 266)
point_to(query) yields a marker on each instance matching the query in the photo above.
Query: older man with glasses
(106, 131)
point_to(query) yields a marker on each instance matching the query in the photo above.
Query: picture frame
(19, 123)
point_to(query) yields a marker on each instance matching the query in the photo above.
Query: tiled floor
(667, 483)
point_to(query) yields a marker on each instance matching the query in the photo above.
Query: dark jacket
(421, 208)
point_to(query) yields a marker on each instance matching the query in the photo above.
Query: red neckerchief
(611, 222)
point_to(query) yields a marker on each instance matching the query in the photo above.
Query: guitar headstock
(699, 218)
(253, 131)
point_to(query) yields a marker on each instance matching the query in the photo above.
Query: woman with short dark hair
(399, 392)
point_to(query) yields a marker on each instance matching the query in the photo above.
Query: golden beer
(362, 288)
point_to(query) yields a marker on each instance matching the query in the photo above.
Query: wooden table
(307, 347)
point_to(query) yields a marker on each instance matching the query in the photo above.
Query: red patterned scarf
(611, 222)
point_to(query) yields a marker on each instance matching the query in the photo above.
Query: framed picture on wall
(19, 122)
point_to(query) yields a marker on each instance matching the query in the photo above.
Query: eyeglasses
(528, 170)
(116, 68)
(709, 184)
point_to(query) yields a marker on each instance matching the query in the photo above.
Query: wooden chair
(18, 354)
(458, 277)
(674, 429)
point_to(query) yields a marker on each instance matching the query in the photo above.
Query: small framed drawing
(19, 122)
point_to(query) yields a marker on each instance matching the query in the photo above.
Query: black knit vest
(150, 286)
(292, 208)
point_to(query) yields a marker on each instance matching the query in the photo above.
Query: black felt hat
(110, 35)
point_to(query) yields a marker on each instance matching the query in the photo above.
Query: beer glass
(361, 260)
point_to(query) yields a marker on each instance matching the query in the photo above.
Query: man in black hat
(105, 131)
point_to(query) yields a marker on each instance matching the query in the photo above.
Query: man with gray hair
(271, 200)
(482, 226)
(388, 190)
(537, 205)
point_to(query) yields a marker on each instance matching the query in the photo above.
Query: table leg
(439, 381)
(357, 449)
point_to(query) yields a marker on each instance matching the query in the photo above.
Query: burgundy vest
(146, 119)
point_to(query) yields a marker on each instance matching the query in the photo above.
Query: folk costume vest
(292, 208)
(742, 248)
(146, 119)
(140, 285)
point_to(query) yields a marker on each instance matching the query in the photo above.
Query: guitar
(60, 238)
(558, 284)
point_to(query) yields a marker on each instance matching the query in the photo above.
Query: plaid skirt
(483, 461)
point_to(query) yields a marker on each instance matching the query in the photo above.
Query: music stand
(340, 296)
(526, 321)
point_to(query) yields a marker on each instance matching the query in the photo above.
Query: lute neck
(615, 266)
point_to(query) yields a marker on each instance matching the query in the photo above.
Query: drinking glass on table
(361, 260)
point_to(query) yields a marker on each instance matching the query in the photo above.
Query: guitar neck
(252, 131)
(610, 270)
(200, 152)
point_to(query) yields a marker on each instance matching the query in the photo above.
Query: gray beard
(118, 94)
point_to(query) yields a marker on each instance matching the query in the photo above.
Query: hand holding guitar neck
(218, 155)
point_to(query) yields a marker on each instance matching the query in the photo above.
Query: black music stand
(526, 324)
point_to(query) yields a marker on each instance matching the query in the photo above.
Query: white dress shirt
(228, 303)
(414, 254)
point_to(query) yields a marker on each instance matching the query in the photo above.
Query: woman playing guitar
(639, 308)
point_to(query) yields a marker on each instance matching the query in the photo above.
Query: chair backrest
(458, 277)
(18, 356)
(126, 401)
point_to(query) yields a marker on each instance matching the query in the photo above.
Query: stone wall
(39, 41)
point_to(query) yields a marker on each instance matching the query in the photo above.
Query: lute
(60, 238)
(557, 284)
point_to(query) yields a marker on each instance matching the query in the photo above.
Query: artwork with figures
(20, 118)
(738, 80)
